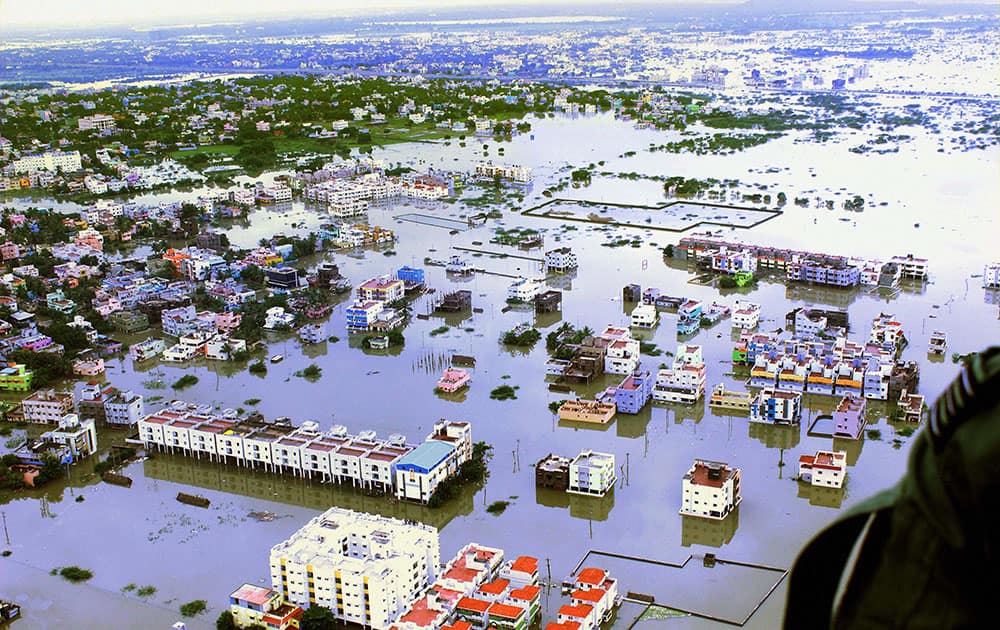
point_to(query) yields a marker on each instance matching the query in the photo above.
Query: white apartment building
(621, 356)
(124, 408)
(911, 267)
(561, 259)
(79, 436)
(525, 289)
(366, 187)
(100, 122)
(776, 406)
(685, 381)
(47, 406)
(347, 209)
(95, 184)
(332, 456)
(644, 316)
(710, 490)
(592, 473)
(991, 276)
(365, 568)
(746, 315)
(514, 173)
(50, 161)
(418, 473)
(825, 468)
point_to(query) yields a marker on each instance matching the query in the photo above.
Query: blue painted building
(419, 472)
(634, 392)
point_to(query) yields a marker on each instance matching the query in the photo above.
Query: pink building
(453, 380)
(9, 251)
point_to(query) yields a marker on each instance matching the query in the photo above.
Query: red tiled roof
(526, 593)
(505, 610)
(580, 612)
(525, 564)
(569, 625)
(494, 588)
(590, 595)
(473, 604)
(591, 575)
(421, 615)
(458, 625)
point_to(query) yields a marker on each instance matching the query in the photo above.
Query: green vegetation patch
(75, 574)
(504, 392)
(194, 607)
(497, 507)
(185, 381)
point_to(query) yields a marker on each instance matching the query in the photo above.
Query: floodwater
(142, 535)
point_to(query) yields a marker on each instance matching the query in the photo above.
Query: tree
(318, 618)
(225, 621)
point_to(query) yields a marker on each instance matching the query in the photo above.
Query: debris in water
(263, 517)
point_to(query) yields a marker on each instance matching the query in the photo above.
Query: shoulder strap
(817, 575)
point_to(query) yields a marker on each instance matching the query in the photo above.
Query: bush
(521, 337)
(195, 607)
(185, 381)
(225, 621)
(258, 367)
(114, 459)
(313, 372)
(440, 330)
(146, 591)
(476, 470)
(75, 574)
(318, 618)
(503, 392)
(555, 405)
(497, 507)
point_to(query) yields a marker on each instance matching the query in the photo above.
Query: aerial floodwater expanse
(369, 318)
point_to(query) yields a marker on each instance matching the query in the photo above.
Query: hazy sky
(43, 13)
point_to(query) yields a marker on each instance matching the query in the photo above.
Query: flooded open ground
(941, 206)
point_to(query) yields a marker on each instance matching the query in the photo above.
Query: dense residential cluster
(385, 573)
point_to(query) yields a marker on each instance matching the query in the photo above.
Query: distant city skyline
(43, 14)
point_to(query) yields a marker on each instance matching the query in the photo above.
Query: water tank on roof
(338, 430)
(367, 436)
(397, 439)
(311, 426)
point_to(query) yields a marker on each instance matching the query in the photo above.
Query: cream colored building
(710, 490)
(365, 568)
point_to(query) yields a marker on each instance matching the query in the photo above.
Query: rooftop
(253, 594)
(427, 455)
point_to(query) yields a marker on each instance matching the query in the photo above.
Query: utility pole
(7, 534)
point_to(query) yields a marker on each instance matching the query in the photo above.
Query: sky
(30, 14)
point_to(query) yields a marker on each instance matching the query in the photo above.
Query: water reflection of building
(591, 508)
(822, 496)
(633, 426)
(545, 320)
(709, 532)
(851, 447)
(580, 506)
(775, 436)
(294, 491)
(683, 413)
(563, 281)
(841, 298)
